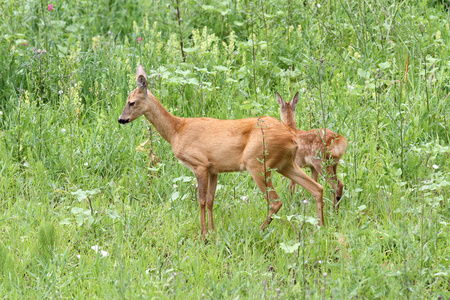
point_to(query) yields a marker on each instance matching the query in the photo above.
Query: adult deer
(318, 149)
(211, 146)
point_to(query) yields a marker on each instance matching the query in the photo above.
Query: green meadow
(91, 209)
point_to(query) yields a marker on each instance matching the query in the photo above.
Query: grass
(86, 211)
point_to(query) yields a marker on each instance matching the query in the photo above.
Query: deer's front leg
(202, 181)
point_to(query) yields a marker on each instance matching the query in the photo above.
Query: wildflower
(78, 256)
(318, 5)
(86, 164)
(139, 39)
(60, 92)
(305, 201)
(50, 7)
(325, 274)
(357, 55)
(25, 44)
(102, 252)
(1, 113)
(245, 199)
(435, 167)
(63, 130)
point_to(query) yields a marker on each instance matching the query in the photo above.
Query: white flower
(63, 130)
(318, 5)
(245, 199)
(60, 92)
(1, 113)
(325, 274)
(320, 262)
(86, 164)
(103, 253)
(435, 167)
(78, 256)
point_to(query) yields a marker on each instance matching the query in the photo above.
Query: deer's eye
(131, 103)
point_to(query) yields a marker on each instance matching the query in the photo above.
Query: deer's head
(137, 100)
(287, 110)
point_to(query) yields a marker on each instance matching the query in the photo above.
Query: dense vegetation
(91, 209)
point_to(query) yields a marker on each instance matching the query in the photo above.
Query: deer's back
(313, 143)
(231, 145)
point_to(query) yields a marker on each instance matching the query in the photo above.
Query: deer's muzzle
(123, 121)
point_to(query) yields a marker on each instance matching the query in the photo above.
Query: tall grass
(90, 209)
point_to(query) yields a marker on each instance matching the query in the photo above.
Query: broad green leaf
(312, 220)
(80, 219)
(287, 61)
(20, 41)
(65, 221)
(190, 50)
(112, 214)
(290, 247)
(77, 210)
(221, 68)
(183, 179)
(184, 73)
(62, 49)
(363, 73)
(193, 81)
(384, 65)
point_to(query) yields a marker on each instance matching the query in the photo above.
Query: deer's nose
(123, 121)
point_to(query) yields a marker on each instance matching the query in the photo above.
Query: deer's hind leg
(210, 199)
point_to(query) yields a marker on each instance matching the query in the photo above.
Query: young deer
(211, 146)
(318, 149)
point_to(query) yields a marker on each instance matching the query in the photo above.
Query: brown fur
(313, 151)
(211, 146)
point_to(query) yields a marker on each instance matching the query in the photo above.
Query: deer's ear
(294, 101)
(141, 78)
(280, 101)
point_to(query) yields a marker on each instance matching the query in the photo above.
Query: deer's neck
(291, 123)
(165, 123)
